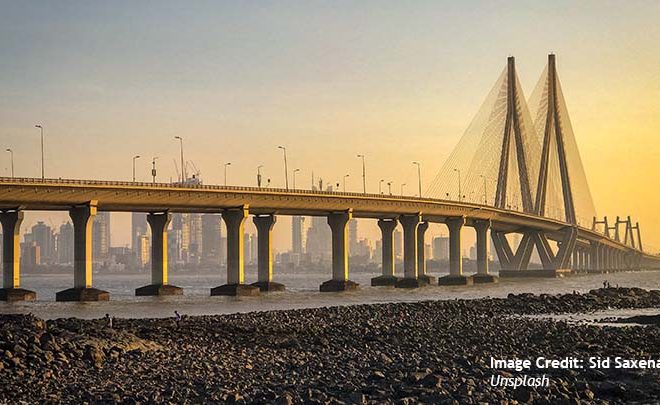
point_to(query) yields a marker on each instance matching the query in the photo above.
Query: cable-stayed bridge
(520, 156)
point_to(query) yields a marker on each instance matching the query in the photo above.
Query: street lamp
(11, 159)
(259, 175)
(286, 170)
(459, 184)
(42, 149)
(380, 186)
(134, 158)
(153, 168)
(364, 176)
(419, 177)
(226, 164)
(389, 187)
(183, 166)
(294, 178)
(402, 186)
(345, 176)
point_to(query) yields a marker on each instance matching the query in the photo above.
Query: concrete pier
(410, 279)
(158, 222)
(388, 278)
(11, 258)
(338, 225)
(421, 257)
(235, 222)
(481, 228)
(82, 217)
(455, 277)
(264, 225)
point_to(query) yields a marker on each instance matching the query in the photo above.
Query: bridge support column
(338, 222)
(82, 218)
(388, 278)
(410, 279)
(264, 225)
(235, 221)
(11, 258)
(481, 228)
(594, 262)
(421, 256)
(455, 276)
(158, 222)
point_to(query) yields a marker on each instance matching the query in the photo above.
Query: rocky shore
(428, 352)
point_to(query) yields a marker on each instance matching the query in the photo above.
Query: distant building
(319, 240)
(398, 244)
(297, 223)
(143, 251)
(65, 244)
(211, 237)
(138, 228)
(440, 248)
(101, 236)
(43, 237)
(352, 236)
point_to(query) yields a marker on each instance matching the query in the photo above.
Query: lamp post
(364, 175)
(419, 177)
(344, 186)
(226, 164)
(389, 187)
(380, 186)
(183, 166)
(402, 186)
(294, 177)
(134, 158)
(153, 168)
(259, 175)
(460, 198)
(286, 170)
(11, 160)
(41, 128)
(485, 195)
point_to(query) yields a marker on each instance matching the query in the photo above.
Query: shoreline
(428, 351)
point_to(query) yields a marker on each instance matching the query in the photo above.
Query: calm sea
(302, 292)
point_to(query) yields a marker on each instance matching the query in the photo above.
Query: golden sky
(396, 82)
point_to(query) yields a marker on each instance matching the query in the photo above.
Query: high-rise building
(196, 235)
(398, 244)
(440, 248)
(297, 237)
(138, 228)
(143, 251)
(352, 236)
(101, 236)
(42, 235)
(319, 240)
(65, 244)
(211, 236)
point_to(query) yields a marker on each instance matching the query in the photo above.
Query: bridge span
(541, 193)
(83, 198)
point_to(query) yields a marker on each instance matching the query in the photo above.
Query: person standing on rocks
(177, 318)
(108, 321)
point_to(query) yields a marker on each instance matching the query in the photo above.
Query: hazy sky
(397, 81)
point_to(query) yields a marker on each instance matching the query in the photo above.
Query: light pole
(226, 164)
(419, 177)
(459, 184)
(294, 177)
(183, 167)
(364, 175)
(402, 186)
(259, 175)
(153, 168)
(485, 195)
(380, 186)
(286, 169)
(344, 186)
(389, 187)
(134, 158)
(11, 160)
(42, 150)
